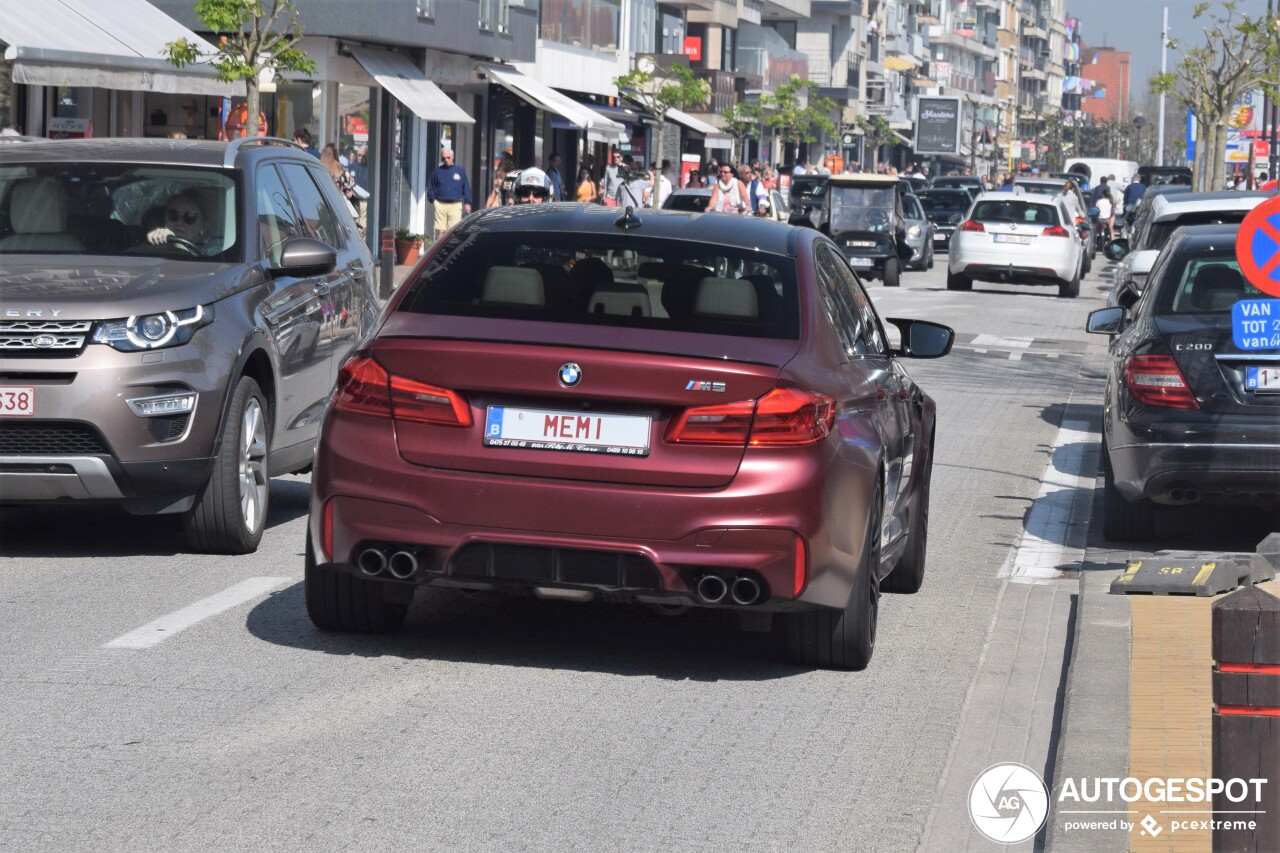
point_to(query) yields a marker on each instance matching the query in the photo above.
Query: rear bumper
(1023, 267)
(1179, 473)
(364, 493)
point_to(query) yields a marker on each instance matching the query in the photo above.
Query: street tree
(660, 91)
(875, 133)
(1210, 79)
(742, 121)
(254, 35)
(798, 113)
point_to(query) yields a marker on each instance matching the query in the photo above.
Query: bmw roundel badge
(570, 374)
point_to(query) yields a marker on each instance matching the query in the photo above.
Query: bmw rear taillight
(783, 417)
(1155, 380)
(1054, 231)
(725, 424)
(366, 388)
(792, 416)
(972, 225)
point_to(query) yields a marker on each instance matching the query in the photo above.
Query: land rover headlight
(153, 331)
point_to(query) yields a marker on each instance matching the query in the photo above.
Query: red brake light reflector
(1155, 380)
(801, 567)
(972, 225)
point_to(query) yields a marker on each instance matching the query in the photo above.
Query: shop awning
(905, 140)
(715, 137)
(540, 95)
(408, 84)
(117, 45)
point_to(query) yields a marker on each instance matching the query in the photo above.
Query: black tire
(956, 281)
(1070, 289)
(908, 576)
(929, 266)
(843, 639)
(1086, 265)
(230, 514)
(1122, 520)
(891, 273)
(338, 601)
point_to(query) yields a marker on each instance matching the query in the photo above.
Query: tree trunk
(253, 101)
(655, 179)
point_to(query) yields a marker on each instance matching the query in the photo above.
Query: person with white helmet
(532, 186)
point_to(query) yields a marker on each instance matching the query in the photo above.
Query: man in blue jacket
(450, 192)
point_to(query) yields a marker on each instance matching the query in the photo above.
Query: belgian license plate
(539, 429)
(861, 262)
(1013, 238)
(17, 401)
(1262, 379)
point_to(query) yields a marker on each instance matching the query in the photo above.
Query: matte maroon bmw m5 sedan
(575, 402)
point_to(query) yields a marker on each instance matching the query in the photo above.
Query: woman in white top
(729, 194)
(1105, 212)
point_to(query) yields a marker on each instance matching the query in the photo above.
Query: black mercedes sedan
(945, 208)
(1192, 410)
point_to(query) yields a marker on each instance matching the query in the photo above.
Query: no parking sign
(1255, 323)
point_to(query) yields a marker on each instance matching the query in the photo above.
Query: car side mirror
(1106, 321)
(923, 339)
(1117, 249)
(304, 256)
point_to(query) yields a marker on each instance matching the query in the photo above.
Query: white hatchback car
(1025, 239)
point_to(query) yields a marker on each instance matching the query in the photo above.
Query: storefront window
(356, 141)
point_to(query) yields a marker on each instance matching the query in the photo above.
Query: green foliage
(798, 118)
(742, 121)
(666, 89)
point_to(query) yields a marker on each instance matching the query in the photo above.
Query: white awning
(116, 45)
(714, 136)
(579, 115)
(409, 84)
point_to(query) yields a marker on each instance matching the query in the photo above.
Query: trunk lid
(1205, 352)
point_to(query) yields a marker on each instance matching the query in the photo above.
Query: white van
(1094, 168)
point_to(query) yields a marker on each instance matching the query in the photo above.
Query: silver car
(920, 233)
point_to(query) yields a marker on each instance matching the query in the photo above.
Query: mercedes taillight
(1155, 380)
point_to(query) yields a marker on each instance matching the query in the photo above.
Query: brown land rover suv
(172, 318)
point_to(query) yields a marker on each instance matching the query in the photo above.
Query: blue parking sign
(1255, 324)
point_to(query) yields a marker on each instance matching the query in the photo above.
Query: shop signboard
(938, 125)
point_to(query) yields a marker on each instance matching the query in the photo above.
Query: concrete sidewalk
(1139, 704)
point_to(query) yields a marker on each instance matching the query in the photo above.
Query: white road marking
(180, 620)
(1001, 343)
(1054, 533)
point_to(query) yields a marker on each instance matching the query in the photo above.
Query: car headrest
(513, 286)
(620, 299)
(36, 207)
(726, 297)
(1217, 286)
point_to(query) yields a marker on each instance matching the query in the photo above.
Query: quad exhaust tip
(372, 561)
(741, 590)
(744, 590)
(711, 589)
(403, 565)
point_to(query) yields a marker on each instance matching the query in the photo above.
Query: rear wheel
(955, 281)
(231, 512)
(1122, 520)
(338, 601)
(929, 266)
(843, 639)
(891, 272)
(1087, 264)
(1070, 289)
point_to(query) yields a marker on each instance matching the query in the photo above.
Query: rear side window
(610, 280)
(1019, 212)
(1207, 284)
(1160, 232)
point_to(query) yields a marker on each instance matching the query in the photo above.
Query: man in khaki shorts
(450, 192)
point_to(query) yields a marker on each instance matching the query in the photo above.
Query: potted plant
(407, 247)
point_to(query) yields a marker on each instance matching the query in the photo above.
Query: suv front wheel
(231, 512)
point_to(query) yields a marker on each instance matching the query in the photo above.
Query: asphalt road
(498, 725)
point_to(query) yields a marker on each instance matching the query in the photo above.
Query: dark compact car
(656, 408)
(174, 316)
(945, 209)
(805, 198)
(1189, 416)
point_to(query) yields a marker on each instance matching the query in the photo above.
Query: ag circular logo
(1008, 803)
(570, 374)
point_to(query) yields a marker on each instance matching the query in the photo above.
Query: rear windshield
(945, 200)
(1160, 232)
(1015, 212)
(118, 209)
(695, 202)
(855, 208)
(1206, 284)
(611, 280)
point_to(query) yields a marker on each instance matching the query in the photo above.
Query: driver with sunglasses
(532, 187)
(184, 221)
